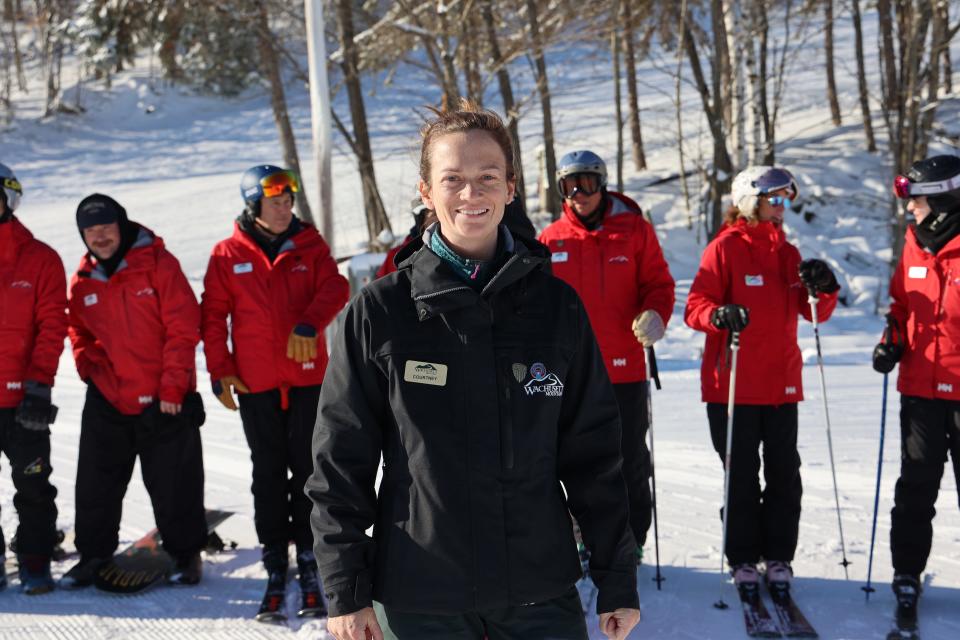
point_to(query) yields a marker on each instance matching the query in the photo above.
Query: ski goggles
(12, 183)
(276, 184)
(777, 201)
(585, 183)
(904, 188)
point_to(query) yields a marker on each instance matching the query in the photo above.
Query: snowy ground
(176, 170)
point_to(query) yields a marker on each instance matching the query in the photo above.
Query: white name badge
(753, 281)
(425, 373)
(917, 272)
(89, 299)
(243, 267)
(559, 256)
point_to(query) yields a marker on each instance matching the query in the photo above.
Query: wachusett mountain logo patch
(425, 373)
(541, 382)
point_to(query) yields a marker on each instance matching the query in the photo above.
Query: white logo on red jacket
(619, 362)
(299, 267)
(21, 284)
(144, 399)
(790, 391)
(943, 386)
(620, 259)
(90, 299)
(14, 386)
(146, 291)
(309, 365)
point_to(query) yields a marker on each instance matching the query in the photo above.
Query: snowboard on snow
(144, 563)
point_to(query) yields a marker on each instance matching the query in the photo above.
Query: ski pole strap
(654, 372)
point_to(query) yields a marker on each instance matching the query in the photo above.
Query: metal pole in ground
(734, 348)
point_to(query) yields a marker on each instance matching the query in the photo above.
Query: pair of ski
(790, 621)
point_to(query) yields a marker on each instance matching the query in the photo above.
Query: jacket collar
(761, 235)
(141, 255)
(306, 237)
(436, 289)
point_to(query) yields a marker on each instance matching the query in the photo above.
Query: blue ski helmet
(582, 161)
(255, 178)
(11, 189)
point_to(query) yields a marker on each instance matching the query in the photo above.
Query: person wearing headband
(923, 335)
(269, 293)
(752, 282)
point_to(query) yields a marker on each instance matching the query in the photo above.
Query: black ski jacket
(481, 404)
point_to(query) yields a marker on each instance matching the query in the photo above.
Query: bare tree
(11, 15)
(270, 64)
(618, 110)
(828, 53)
(862, 78)
(633, 108)
(373, 207)
(552, 203)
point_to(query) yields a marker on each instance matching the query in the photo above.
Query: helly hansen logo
(144, 399)
(790, 391)
(946, 388)
(309, 365)
(619, 362)
(14, 386)
(21, 284)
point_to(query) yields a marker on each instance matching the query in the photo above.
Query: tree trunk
(944, 18)
(862, 78)
(679, 113)
(506, 94)
(11, 15)
(757, 98)
(888, 75)
(377, 219)
(828, 49)
(633, 107)
(770, 116)
(618, 117)
(552, 203)
(738, 39)
(468, 60)
(278, 101)
(451, 88)
(170, 28)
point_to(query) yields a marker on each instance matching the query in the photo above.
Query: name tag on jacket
(559, 256)
(753, 281)
(918, 273)
(243, 267)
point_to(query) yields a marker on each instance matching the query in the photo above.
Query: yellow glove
(224, 387)
(302, 343)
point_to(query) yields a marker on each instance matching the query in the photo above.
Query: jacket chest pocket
(18, 300)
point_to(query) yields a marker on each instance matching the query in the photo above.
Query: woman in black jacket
(476, 377)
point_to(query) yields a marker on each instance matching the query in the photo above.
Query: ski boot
(35, 575)
(777, 577)
(3, 576)
(83, 573)
(272, 608)
(187, 570)
(907, 590)
(311, 600)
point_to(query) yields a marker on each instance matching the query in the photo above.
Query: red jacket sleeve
(656, 285)
(180, 315)
(331, 292)
(826, 303)
(707, 292)
(898, 295)
(51, 319)
(216, 305)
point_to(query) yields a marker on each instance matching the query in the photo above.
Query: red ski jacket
(926, 304)
(619, 271)
(388, 267)
(33, 319)
(265, 302)
(753, 266)
(135, 333)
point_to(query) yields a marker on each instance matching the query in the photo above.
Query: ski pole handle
(653, 373)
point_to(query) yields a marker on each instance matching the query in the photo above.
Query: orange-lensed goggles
(277, 183)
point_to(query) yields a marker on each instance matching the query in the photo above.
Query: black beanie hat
(99, 209)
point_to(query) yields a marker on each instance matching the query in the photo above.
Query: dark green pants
(557, 619)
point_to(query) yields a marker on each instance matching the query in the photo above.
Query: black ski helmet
(936, 169)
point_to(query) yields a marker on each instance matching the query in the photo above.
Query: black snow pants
(171, 461)
(761, 524)
(635, 421)
(280, 443)
(929, 429)
(29, 454)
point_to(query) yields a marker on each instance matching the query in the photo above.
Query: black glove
(35, 411)
(816, 276)
(730, 316)
(888, 352)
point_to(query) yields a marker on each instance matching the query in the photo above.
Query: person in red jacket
(33, 324)
(923, 334)
(752, 281)
(134, 328)
(604, 248)
(278, 285)
(422, 218)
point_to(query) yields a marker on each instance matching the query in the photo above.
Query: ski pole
(812, 300)
(653, 374)
(876, 499)
(734, 348)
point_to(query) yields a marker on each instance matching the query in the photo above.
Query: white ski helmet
(755, 181)
(11, 187)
